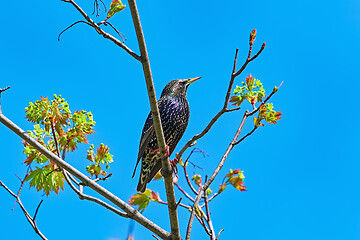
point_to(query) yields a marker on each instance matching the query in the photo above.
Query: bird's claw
(167, 154)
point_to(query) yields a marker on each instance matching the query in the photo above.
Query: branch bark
(131, 212)
(102, 32)
(166, 168)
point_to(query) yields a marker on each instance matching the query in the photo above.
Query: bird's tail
(148, 171)
(142, 180)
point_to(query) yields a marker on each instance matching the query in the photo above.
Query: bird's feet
(167, 154)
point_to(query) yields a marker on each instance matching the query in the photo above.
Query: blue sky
(301, 173)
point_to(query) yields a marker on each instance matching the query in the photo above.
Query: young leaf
(197, 179)
(115, 6)
(141, 199)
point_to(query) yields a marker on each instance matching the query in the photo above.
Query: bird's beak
(191, 80)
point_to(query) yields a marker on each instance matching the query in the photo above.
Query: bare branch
(217, 237)
(102, 32)
(177, 204)
(97, 8)
(26, 213)
(2, 90)
(188, 180)
(71, 27)
(216, 171)
(203, 224)
(242, 139)
(37, 209)
(103, 178)
(225, 109)
(212, 232)
(184, 192)
(123, 37)
(92, 199)
(156, 237)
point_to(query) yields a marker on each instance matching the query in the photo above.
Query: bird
(174, 113)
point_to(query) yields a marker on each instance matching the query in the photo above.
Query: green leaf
(141, 199)
(197, 179)
(208, 191)
(46, 179)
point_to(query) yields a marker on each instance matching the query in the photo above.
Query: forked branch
(30, 219)
(100, 31)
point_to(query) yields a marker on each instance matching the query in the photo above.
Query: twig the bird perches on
(166, 167)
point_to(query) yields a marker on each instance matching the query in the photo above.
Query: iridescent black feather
(174, 113)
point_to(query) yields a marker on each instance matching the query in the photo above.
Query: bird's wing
(148, 131)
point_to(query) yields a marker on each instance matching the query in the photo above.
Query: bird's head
(178, 87)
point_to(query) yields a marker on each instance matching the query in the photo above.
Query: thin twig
(211, 179)
(156, 237)
(177, 204)
(55, 138)
(2, 90)
(221, 112)
(26, 213)
(37, 209)
(22, 184)
(188, 180)
(248, 134)
(102, 32)
(92, 199)
(203, 224)
(103, 178)
(123, 37)
(217, 237)
(184, 192)
(211, 198)
(212, 232)
(71, 27)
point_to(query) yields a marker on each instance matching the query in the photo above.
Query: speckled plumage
(174, 113)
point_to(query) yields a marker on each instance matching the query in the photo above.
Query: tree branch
(211, 179)
(131, 212)
(30, 219)
(102, 32)
(217, 237)
(2, 90)
(92, 199)
(212, 231)
(225, 109)
(184, 192)
(166, 168)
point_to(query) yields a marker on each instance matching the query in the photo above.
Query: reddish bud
(252, 37)
(263, 45)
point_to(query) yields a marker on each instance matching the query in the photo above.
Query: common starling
(174, 113)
